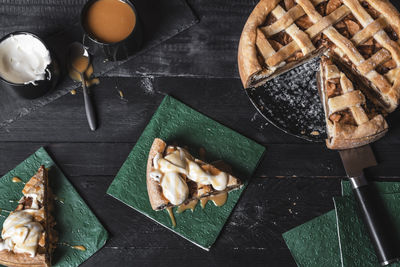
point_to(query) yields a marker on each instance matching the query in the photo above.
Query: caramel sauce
(78, 247)
(218, 200)
(16, 180)
(87, 71)
(110, 21)
(190, 205)
(80, 63)
(121, 94)
(171, 215)
(81, 248)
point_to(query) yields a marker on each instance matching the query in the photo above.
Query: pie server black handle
(380, 228)
(89, 108)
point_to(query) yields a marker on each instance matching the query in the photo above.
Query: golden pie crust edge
(157, 200)
(9, 258)
(248, 63)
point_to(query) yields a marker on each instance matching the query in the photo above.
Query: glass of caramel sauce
(113, 26)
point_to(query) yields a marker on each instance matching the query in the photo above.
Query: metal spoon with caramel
(78, 63)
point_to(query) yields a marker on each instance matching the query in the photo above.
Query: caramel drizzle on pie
(355, 30)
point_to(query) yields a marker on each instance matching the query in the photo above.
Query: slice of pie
(351, 119)
(28, 237)
(364, 34)
(174, 177)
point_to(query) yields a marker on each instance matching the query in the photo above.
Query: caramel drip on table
(171, 215)
(190, 205)
(15, 179)
(82, 248)
(79, 247)
(218, 200)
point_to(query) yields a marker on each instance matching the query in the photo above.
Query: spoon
(78, 63)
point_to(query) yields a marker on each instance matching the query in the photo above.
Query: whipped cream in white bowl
(23, 59)
(26, 65)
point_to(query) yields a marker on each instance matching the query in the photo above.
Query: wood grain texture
(294, 183)
(252, 232)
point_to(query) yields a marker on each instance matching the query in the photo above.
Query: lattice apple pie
(360, 34)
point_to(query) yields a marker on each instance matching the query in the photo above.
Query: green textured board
(355, 246)
(175, 122)
(381, 187)
(76, 224)
(315, 243)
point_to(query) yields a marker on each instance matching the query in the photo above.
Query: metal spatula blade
(357, 159)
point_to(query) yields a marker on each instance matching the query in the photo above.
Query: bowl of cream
(26, 65)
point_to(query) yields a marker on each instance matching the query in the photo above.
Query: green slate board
(355, 246)
(76, 224)
(175, 122)
(315, 243)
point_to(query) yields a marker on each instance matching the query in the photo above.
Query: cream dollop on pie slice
(175, 177)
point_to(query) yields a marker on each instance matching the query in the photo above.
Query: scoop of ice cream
(23, 59)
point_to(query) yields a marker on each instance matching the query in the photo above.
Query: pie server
(380, 228)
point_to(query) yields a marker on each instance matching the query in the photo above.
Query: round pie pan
(291, 102)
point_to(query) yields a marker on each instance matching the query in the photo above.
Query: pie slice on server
(351, 119)
(174, 177)
(28, 237)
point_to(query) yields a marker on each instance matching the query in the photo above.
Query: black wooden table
(294, 183)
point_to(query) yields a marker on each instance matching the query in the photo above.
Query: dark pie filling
(371, 11)
(333, 88)
(343, 117)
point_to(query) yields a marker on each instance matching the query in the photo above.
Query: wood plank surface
(253, 232)
(294, 183)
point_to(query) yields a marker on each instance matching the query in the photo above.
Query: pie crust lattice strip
(350, 123)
